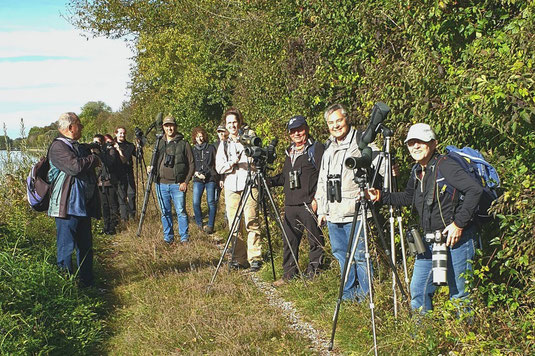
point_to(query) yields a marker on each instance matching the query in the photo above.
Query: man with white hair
(439, 213)
(74, 199)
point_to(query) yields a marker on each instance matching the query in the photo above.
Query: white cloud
(79, 71)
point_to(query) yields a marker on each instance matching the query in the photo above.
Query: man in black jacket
(439, 214)
(299, 178)
(127, 184)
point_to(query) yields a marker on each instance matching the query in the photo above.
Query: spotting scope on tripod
(152, 173)
(361, 165)
(260, 159)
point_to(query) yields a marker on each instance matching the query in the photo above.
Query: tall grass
(41, 310)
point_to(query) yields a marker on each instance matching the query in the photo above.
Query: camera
(169, 161)
(139, 136)
(440, 257)
(416, 244)
(93, 145)
(295, 182)
(250, 141)
(260, 155)
(334, 188)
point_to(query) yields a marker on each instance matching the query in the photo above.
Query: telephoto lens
(440, 260)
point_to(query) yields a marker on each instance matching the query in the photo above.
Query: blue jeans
(166, 193)
(198, 188)
(74, 232)
(422, 287)
(339, 236)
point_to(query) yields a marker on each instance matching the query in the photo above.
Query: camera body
(334, 188)
(415, 242)
(294, 179)
(440, 257)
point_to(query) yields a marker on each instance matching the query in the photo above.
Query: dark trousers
(110, 207)
(74, 232)
(298, 219)
(126, 191)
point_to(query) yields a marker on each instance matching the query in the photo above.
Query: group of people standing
(318, 189)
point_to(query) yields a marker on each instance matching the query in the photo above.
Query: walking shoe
(208, 229)
(256, 265)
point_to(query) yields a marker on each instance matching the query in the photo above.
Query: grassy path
(159, 305)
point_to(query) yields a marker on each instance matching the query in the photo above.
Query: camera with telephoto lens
(295, 181)
(334, 188)
(169, 161)
(416, 244)
(440, 257)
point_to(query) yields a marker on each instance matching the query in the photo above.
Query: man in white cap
(441, 213)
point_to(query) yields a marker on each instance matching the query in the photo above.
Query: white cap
(422, 132)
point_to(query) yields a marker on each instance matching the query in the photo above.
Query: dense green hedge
(465, 67)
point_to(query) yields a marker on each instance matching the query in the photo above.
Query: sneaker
(208, 229)
(168, 242)
(256, 265)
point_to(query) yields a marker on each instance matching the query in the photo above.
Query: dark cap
(296, 121)
(221, 128)
(169, 120)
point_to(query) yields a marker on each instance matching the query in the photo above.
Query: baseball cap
(221, 128)
(296, 122)
(420, 131)
(169, 120)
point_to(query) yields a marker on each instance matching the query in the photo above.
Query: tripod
(394, 212)
(150, 179)
(140, 167)
(260, 183)
(362, 206)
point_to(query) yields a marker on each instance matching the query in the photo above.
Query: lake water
(15, 159)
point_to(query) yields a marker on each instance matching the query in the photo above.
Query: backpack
(38, 188)
(473, 163)
(311, 151)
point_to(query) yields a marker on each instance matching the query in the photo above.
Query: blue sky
(47, 67)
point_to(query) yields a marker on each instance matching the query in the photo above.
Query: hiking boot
(256, 265)
(208, 229)
(235, 265)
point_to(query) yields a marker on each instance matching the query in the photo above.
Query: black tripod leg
(232, 233)
(281, 227)
(345, 271)
(268, 234)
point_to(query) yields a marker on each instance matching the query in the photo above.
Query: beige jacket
(333, 163)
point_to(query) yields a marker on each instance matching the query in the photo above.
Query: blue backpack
(38, 187)
(473, 163)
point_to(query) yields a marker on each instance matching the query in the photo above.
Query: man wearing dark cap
(299, 178)
(427, 192)
(175, 167)
(222, 136)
